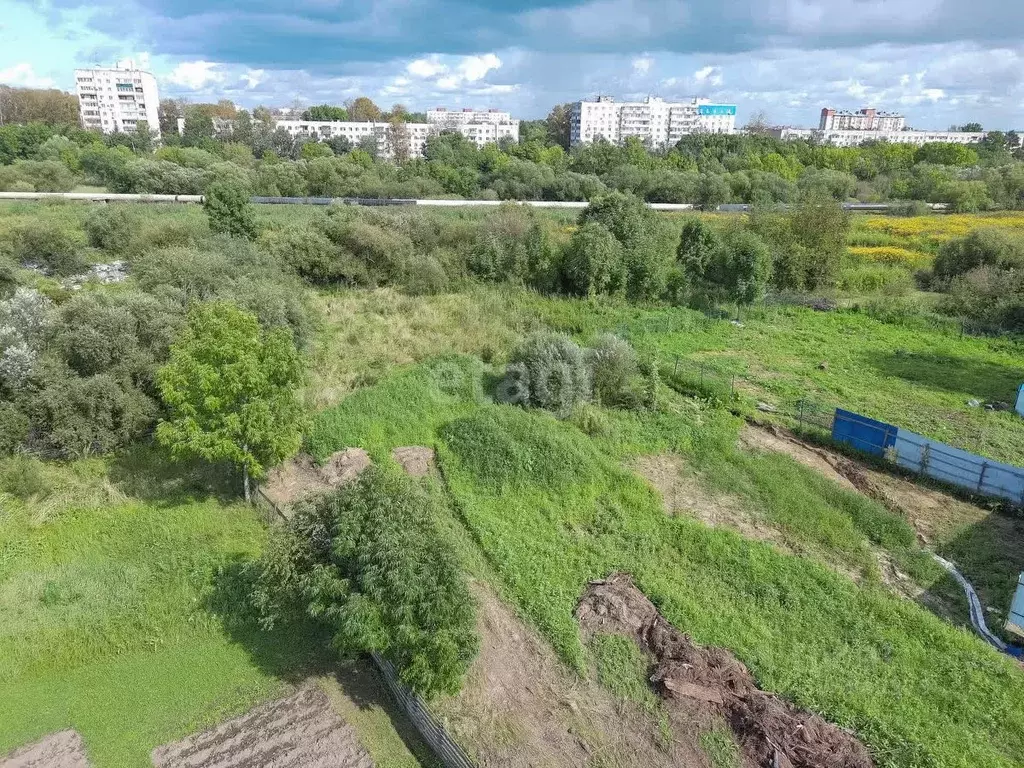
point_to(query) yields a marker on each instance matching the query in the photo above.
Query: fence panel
(447, 751)
(1015, 623)
(867, 435)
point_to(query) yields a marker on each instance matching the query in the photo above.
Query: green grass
(622, 669)
(551, 509)
(110, 625)
(721, 748)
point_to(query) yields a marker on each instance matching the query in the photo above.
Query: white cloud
(448, 83)
(24, 76)
(429, 67)
(708, 76)
(195, 74)
(254, 77)
(473, 68)
(642, 65)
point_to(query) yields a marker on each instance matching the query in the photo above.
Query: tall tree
(230, 392)
(557, 124)
(198, 126)
(225, 109)
(363, 109)
(37, 105)
(168, 113)
(229, 210)
(262, 115)
(398, 139)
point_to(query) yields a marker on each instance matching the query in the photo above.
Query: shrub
(52, 246)
(229, 210)
(23, 476)
(989, 295)
(112, 228)
(375, 255)
(326, 564)
(424, 276)
(876, 278)
(511, 247)
(14, 428)
(613, 367)
(982, 247)
(309, 253)
(593, 262)
(547, 371)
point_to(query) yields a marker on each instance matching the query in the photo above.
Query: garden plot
(300, 731)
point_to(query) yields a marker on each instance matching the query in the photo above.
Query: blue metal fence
(930, 457)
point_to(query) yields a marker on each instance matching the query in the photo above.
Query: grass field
(551, 508)
(109, 625)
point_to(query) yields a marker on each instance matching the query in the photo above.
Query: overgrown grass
(551, 508)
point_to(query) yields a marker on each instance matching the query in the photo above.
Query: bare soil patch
(522, 707)
(779, 440)
(683, 493)
(770, 731)
(64, 749)
(302, 477)
(415, 460)
(300, 731)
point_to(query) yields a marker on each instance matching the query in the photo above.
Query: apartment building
(479, 132)
(853, 138)
(867, 119)
(116, 99)
(653, 120)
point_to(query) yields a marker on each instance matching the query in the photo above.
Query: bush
(326, 564)
(112, 227)
(876, 278)
(982, 247)
(229, 210)
(511, 247)
(613, 368)
(52, 246)
(988, 295)
(547, 371)
(309, 253)
(374, 255)
(14, 428)
(593, 262)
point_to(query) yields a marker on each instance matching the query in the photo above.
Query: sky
(939, 62)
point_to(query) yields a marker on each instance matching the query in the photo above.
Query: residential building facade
(117, 99)
(416, 134)
(867, 119)
(853, 138)
(657, 122)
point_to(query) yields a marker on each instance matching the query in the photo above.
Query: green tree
(311, 149)
(363, 109)
(712, 191)
(593, 262)
(368, 564)
(969, 128)
(325, 112)
(198, 126)
(557, 125)
(742, 267)
(228, 208)
(230, 392)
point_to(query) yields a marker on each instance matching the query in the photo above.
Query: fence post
(981, 475)
(926, 452)
(800, 413)
(732, 386)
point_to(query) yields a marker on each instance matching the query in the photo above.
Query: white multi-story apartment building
(454, 117)
(116, 99)
(867, 119)
(480, 133)
(853, 138)
(653, 120)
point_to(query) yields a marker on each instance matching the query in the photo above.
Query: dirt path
(300, 731)
(521, 707)
(58, 750)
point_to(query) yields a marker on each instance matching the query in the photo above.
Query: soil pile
(302, 477)
(301, 731)
(771, 732)
(58, 750)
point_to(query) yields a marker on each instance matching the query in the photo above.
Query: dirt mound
(770, 731)
(302, 477)
(58, 750)
(522, 707)
(345, 466)
(415, 460)
(301, 731)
